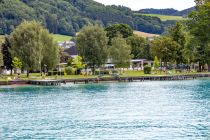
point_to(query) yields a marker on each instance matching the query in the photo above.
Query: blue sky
(159, 4)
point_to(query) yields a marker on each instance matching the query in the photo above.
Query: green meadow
(61, 38)
(165, 17)
(56, 37)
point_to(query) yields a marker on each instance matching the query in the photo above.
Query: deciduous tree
(164, 48)
(177, 34)
(32, 44)
(92, 45)
(139, 47)
(198, 25)
(113, 30)
(120, 52)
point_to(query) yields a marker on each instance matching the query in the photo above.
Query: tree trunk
(93, 70)
(10, 72)
(27, 73)
(200, 68)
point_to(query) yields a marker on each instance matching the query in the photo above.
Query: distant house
(66, 44)
(72, 51)
(139, 64)
(135, 64)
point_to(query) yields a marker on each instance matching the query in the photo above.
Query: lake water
(171, 110)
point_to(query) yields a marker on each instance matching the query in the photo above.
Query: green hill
(67, 17)
(169, 11)
(165, 17)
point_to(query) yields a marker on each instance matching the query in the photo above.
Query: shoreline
(45, 82)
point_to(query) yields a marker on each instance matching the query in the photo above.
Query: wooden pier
(46, 82)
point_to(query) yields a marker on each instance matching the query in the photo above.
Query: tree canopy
(32, 44)
(92, 45)
(177, 34)
(139, 47)
(113, 30)
(198, 26)
(120, 52)
(164, 48)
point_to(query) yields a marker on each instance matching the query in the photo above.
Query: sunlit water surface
(178, 110)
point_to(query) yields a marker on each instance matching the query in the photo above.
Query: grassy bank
(37, 76)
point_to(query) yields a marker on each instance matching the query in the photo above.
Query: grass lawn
(61, 38)
(36, 76)
(165, 17)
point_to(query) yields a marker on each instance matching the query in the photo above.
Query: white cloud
(159, 4)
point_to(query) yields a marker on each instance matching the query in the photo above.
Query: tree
(7, 58)
(120, 52)
(177, 34)
(156, 63)
(1, 57)
(16, 64)
(165, 49)
(50, 51)
(139, 47)
(190, 50)
(92, 46)
(78, 64)
(30, 42)
(114, 30)
(198, 25)
(201, 2)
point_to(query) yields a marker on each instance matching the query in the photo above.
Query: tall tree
(198, 25)
(29, 42)
(120, 52)
(115, 29)
(50, 50)
(165, 49)
(92, 45)
(1, 57)
(6, 54)
(139, 47)
(177, 34)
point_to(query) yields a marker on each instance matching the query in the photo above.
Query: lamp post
(40, 68)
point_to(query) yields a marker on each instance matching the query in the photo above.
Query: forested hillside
(171, 12)
(68, 16)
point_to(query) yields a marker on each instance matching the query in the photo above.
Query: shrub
(70, 71)
(147, 69)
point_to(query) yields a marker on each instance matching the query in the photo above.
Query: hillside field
(61, 38)
(56, 38)
(164, 17)
(145, 35)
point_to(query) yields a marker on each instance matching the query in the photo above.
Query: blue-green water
(178, 110)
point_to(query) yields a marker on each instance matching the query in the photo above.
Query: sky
(157, 4)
